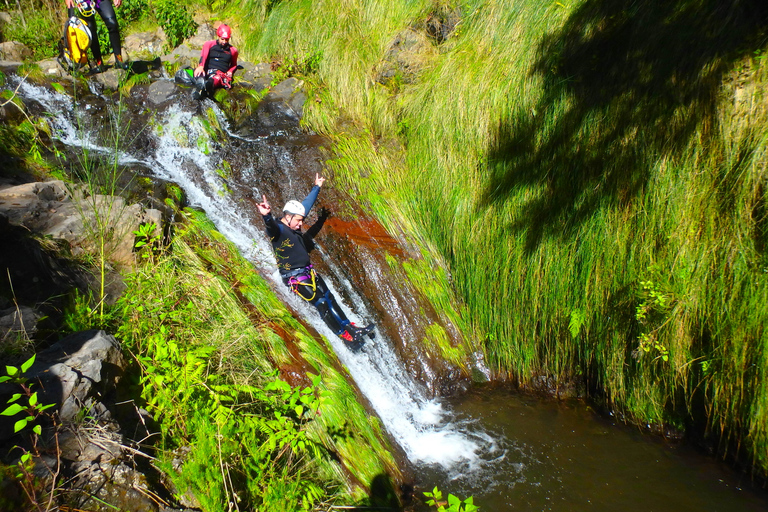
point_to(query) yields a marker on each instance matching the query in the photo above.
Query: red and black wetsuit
(218, 60)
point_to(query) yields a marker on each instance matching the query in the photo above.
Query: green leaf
(37, 429)
(4, 378)
(12, 410)
(33, 399)
(21, 423)
(15, 397)
(25, 457)
(11, 370)
(28, 363)
(299, 410)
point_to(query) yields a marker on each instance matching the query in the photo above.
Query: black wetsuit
(292, 248)
(107, 13)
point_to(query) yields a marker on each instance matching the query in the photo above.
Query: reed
(592, 174)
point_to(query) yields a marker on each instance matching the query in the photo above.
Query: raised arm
(273, 228)
(309, 201)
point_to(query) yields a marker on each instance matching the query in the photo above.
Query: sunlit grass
(570, 160)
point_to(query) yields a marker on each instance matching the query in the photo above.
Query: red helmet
(224, 31)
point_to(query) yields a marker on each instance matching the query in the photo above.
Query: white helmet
(294, 208)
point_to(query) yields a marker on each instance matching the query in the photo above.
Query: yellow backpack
(74, 44)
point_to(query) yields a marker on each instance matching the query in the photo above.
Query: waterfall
(423, 427)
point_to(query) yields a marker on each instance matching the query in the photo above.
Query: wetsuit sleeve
(315, 228)
(309, 201)
(273, 228)
(233, 68)
(204, 54)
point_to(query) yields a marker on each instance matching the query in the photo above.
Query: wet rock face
(48, 209)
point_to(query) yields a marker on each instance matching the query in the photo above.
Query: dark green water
(554, 456)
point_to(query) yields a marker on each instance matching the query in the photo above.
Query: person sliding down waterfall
(292, 248)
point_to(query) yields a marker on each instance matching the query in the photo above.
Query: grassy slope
(593, 174)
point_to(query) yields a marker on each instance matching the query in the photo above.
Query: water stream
(510, 453)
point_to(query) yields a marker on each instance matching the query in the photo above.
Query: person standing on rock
(87, 9)
(218, 63)
(292, 248)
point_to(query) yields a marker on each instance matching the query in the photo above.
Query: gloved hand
(323, 213)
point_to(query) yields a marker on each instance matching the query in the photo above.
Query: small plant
(147, 240)
(27, 402)
(453, 504)
(652, 314)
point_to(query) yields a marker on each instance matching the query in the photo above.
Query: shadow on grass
(625, 84)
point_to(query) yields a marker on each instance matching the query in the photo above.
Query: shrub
(175, 20)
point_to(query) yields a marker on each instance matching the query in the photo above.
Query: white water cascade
(425, 430)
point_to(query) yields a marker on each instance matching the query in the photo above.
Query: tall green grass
(592, 174)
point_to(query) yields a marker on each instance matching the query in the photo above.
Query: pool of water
(561, 456)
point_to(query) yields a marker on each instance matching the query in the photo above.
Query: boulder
(182, 56)
(161, 91)
(73, 373)
(82, 366)
(291, 92)
(20, 320)
(111, 78)
(146, 44)
(257, 76)
(52, 67)
(15, 51)
(48, 209)
(204, 33)
(407, 55)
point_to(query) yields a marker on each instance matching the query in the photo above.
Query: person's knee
(111, 23)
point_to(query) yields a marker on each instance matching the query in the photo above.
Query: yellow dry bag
(74, 44)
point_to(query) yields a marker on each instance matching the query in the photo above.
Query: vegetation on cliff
(593, 174)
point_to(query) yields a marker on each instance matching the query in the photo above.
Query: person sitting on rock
(218, 63)
(87, 10)
(292, 248)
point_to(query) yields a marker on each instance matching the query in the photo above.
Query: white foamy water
(420, 425)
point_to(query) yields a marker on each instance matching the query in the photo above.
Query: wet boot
(119, 64)
(359, 333)
(351, 343)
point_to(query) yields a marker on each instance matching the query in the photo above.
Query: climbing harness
(86, 7)
(300, 278)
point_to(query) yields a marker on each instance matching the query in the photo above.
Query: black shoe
(98, 68)
(122, 65)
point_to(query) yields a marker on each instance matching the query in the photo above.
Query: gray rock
(290, 92)
(15, 321)
(71, 373)
(182, 55)
(111, 78)
(161, 91)
(52, 67)
(204, 33)
(146, 44)
(47, 208)
(257, 76)
(76, 368)
(14, 50)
